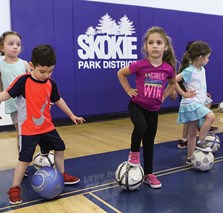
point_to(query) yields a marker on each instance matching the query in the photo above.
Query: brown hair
(196, 49)
(3, 36)
(168, 55)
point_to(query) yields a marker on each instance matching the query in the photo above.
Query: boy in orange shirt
(35, 91)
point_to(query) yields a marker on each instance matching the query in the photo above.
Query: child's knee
(210, 116)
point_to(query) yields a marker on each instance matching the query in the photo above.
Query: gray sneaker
(188, 162)
(203, 146)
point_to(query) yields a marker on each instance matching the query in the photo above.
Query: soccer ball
(47, 182)
(213, 142)
(220, 106)
(202, 161)
(129, 177)
(41, 160)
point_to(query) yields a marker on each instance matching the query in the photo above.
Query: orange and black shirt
(34, 99)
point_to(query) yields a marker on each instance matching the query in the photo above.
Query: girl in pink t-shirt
(152, 75)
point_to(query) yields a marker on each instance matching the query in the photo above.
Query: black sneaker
(203, 146)
(182, 144)
(213, 129)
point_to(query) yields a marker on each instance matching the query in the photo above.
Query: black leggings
(145, 127)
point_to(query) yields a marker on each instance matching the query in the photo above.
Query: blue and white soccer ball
(47, 182)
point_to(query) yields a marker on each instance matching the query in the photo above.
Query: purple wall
(96, 90)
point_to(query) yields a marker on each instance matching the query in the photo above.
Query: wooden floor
(87, 139)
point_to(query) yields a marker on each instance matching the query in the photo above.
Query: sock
(200, 141)
(184, 139)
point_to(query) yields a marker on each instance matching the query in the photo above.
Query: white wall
(5, 22)
(214, 7)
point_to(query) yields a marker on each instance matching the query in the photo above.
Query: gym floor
(94, 151)
(184, 188)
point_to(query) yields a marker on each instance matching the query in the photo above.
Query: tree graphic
(107, 26)
(126, 26)
(114, 29)
(90, 31)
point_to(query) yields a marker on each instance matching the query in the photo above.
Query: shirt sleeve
(134, 67)
(172, 74)
(55, 95)
(15, 88)
(186, 74)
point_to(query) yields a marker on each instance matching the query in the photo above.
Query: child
(192, 111)
(35, 91)
(152, 74)
(11, 67)
(182, 143)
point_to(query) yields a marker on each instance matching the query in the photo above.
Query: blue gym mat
(184, 189)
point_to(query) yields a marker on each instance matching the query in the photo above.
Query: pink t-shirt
(151, 82)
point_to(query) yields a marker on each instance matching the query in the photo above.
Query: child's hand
(132, 92)
(77, 120)
(51, 104)
(189, 94)
(173, 95)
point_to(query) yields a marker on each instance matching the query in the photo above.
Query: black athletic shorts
(47, 141)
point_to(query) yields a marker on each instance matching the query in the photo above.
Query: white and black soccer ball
(220, 107)
(129, 177)
(202, 161)
(41, 160)
(213, 142)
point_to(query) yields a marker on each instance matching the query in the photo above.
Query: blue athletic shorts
(47, 141)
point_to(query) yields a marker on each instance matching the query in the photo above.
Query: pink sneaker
(134, 158)
(152, 180)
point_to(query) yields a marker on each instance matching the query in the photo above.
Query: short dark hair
(43, 55)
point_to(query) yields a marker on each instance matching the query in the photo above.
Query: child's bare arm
(63, 106)
(122, 76)
(4, 96)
